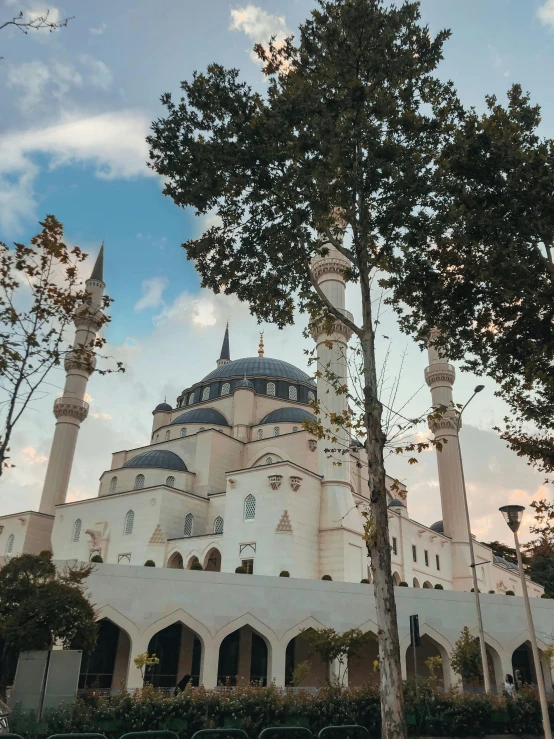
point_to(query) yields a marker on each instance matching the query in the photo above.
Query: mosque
(214, 536)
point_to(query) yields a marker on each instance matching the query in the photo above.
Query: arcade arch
(175, 561)
(212, 560)
(107, 665)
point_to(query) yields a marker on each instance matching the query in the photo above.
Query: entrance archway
(212, 560)
(523, 665)
(361, 670)
(416, 582)
(106, 666)
(427, 585)
(193, 561)
(429, 648)
(175, 561)
(315, 674)
(243, 658)
(179, 650)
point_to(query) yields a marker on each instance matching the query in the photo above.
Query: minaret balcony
(73, 407)
(440, 373)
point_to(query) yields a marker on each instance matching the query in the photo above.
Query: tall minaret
(225, 356)
(440, 376)
(70, 410)
(339, 522)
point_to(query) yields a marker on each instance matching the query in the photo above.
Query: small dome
(163, 407)
(202, 415)
(160, 458)
(396, 503)
(288, 415)
(438, 527)
(244, 383)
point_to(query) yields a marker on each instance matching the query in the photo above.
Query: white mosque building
(230, 478)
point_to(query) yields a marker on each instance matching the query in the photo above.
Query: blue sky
(76, 106)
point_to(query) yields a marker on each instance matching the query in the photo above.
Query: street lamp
(513, 515)
(473, 565)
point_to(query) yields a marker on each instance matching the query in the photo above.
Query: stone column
(276, 671)
(210, 662)
(139, 645)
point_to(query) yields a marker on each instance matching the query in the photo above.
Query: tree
(466, 657)
(331, 647)
(145, 660)
(41, 294)
(342, 145)
(41, 606)
(36, 21)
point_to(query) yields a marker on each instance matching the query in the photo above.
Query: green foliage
(403, 584)
(149, 563)
(326, 577)
(545, 595)
(240, 570)
(541, 565)
(97, 559)
(330, 646)
(144, 660)
(284, 573)
(438, 586)
(509, 592)
(197, 566)
(300, 673)
(365, 580)
(466, 657)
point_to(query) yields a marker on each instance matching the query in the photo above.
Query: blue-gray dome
(396, 503)
(438, 527)
(244, 383)
(202, 415)
(160, 458)
(163, 407)
(259, 367)
(288, 415)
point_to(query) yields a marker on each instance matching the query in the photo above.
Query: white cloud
(152, 293)
(545, 13)
(99, 74)
(99, 30)
(259, 26)
(114, 143)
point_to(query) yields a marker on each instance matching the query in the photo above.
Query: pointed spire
(261, 345)
(225, 352)
(98, 269)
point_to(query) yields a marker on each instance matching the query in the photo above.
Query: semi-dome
(202, 415)
(396, 503)
(163, 407)
(438, 527)
(244, 383)
(161, 458)
(259, 367)
(288, 415)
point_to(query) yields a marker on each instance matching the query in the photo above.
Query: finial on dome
(225, 355)
(98, 269)
(261, 345)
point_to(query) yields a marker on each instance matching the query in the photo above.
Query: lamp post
(473, 565)
(513, 515)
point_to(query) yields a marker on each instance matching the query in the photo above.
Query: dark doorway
(97, 668)
(166, 645)
(228, 664)
(258, 660)
(522, 663)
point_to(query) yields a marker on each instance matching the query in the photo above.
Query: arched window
(276, 431)
(9, 545)
(271, 388)
(293, 394)
(191, 398)
(260, 434)
(77, 529)
(218, 525)
(113, 484)
(206, 393)
(294, 429)
(311, 397)
(129, 521)
(183, 432)
(189, 524)
(139, 482)
(269, 460)
(167, 435)
(170, 482)
(225, 388)
(249, 508)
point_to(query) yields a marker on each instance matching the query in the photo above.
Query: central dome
(259, 367)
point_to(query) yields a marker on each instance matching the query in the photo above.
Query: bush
(240, 570)
(365, 580)
(510, 592)
(97, 558)
(196, 566)
(284, 573)
(403, 584)
(438, 586)
(46, 554)
(545, 595)
(149, 563)
(326, 577)
(473, 590)
(491, 592)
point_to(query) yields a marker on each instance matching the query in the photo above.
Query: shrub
(284, 573)
(96, 558)
(545, 595)
(403, 584)
(473, 590)
(326, 577)
(149, 563)
(365, 580)
(240, 570)
(510, 592)
(438, 586)
(491, 592)
(196, 566)
(45, 554)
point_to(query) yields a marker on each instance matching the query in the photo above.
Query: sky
(76, 106)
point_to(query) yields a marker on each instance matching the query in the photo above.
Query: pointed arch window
(170, 482)
(113, 484)
(129, 522)
(189, 524)
(191, 398)
(77, 529)
(206, 393)
(269, 460)
(167, 435)
(249, 508)
(218, 525)
(293, 393)
(260, 434)
(139, 482)
(270, 388)
(226, 388)
(311, 397)
(294, 429)
(276, 431)
(9, 545)
(183, 432)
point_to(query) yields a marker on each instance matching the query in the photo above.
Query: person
(509, 687)
(183, 684)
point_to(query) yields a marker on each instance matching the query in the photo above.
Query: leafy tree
(40, 606)
(330, 647)
(540, 558)
(41, 293)
(466, 657)
(341, 148)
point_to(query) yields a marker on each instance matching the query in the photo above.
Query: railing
(68, 400)
(168, 692)
(439, 366)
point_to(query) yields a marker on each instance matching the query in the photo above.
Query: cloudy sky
(76, 106)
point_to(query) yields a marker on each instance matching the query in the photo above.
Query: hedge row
(253, 709)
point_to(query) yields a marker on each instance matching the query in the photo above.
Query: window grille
(183, 432)
(170, 482)
(206, 393)
(293, 393)
(271, 388)
(139, 482)
(260, 434)
(426, 556)
(269, 460)
(189, 523)
(77, 529)
(218, 525)
(294, 429)
(414, 553)
(311, 397)
(394, 545)
(437, 560)
(249, 508)
(225, 388)
(167, 435)
(248, 565)
(9, 545)
(129, 521)
(276, 431)
(113, 484)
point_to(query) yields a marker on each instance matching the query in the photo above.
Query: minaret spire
(261, 345)
(225, 356)
(98, 269)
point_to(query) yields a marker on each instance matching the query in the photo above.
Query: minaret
(70, 410)
(225, 356)
(340, 524)
(261, 345)
(440, 376)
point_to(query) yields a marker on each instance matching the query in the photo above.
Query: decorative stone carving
(284, 526)
(72, 407)
(440, 372)
(1, 529)
(158, 536)
(275, 481)
(22, 520)
(232, 483)
(83, 361)
(295, 482)
(312, 444)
